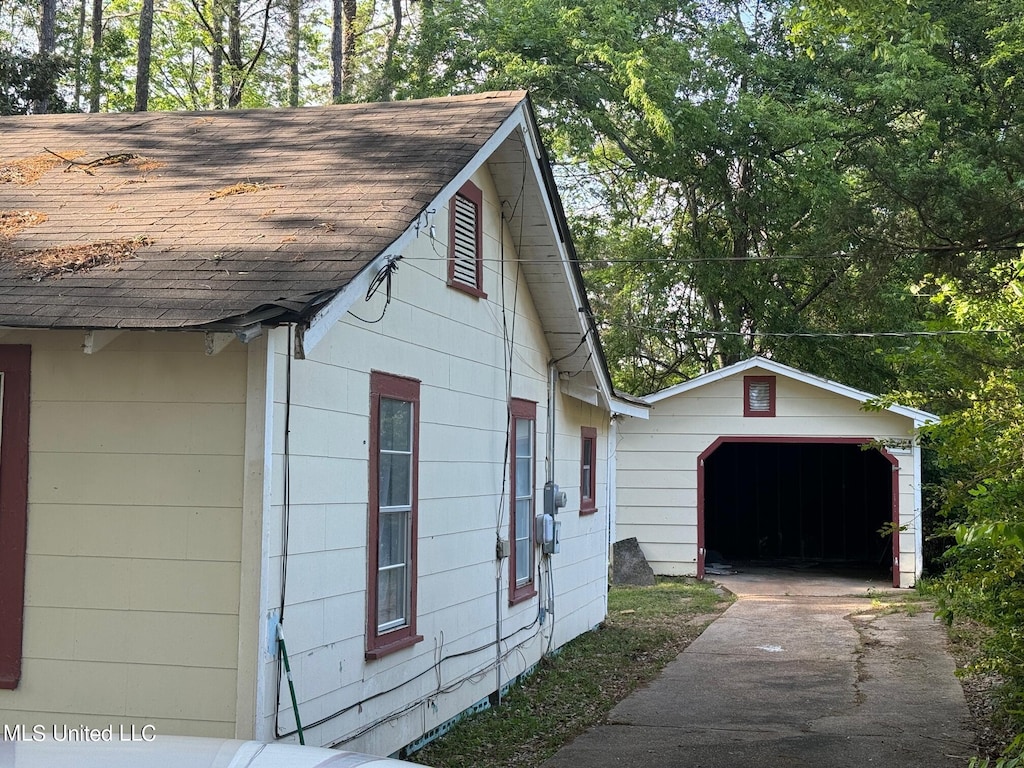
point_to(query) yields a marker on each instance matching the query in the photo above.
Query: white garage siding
(657, 477)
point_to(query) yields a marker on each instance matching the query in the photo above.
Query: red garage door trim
(894, 503)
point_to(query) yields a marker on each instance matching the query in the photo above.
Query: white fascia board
(335, 309)
(917, 416)
(625, 408)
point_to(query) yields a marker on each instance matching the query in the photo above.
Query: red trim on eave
(471, 192)
(895, 500)
(16, 365)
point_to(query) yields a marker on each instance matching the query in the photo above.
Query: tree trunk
(80, 53)
(386, 83)
(294, 38)
(348, 49)
(217, 57)
(145, 52)
(47, 43)
(337, 32)
(96, 59)
(235, 53)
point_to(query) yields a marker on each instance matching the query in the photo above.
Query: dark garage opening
(798, 503)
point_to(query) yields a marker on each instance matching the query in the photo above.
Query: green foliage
(977, 381)
(26, 79)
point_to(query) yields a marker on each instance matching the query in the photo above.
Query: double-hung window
(394, 454)
(465, 241)
(759, 396)
(588, 470)
(523, 462)
(15, 366)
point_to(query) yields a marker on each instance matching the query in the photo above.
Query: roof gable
(175, 219)
(761, 363)
(225, 220)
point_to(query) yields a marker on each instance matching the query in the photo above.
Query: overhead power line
(806, 334)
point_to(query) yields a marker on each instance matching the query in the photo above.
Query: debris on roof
(28, 169)
(243, 188)
(12, 222)
(316, 194)
(69, 259)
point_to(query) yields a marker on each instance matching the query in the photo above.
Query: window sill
(522, 594)
(588, 511)
(386, 649)
(472, 290)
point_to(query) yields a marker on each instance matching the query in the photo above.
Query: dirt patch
(242, 188)
(69, 259)
(29, 169)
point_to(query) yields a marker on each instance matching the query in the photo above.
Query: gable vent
(464, 256)
(759, 396)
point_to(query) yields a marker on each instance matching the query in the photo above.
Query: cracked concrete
(793, 675)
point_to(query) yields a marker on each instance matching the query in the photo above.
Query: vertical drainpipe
(549, 457)
(610, 486)
(918, 508)
(549, 478)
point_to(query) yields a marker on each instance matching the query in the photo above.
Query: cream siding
(455, 345)
(657, 460)
(134, 537)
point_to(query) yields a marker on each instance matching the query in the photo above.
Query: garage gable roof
(919, 417)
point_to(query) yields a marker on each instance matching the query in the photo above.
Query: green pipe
(291, 683)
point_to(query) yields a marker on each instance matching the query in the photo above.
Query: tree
(47, 43)
(27, 80)
(145, 49)
(96, 57)
(294, 51)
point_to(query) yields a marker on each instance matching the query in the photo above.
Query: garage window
(758, 395)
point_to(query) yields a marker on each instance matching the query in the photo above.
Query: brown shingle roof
(220, 214)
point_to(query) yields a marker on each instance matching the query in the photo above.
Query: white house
(762, 462)
(302, 373)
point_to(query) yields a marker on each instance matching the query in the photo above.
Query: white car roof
(176, 752)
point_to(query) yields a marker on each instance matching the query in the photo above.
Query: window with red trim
(15, 367)
(522, 469)
(588, 470)
(758, 395)
(465, 241)
(394, 459)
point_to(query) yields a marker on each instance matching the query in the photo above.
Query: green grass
(646, 628)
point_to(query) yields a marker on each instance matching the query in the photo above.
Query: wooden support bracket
(215, 342)
(97, 340)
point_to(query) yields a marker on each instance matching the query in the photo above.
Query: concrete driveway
(799, 671)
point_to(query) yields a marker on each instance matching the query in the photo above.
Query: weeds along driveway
(794, 680)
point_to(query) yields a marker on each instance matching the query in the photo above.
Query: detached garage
(763, 462)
